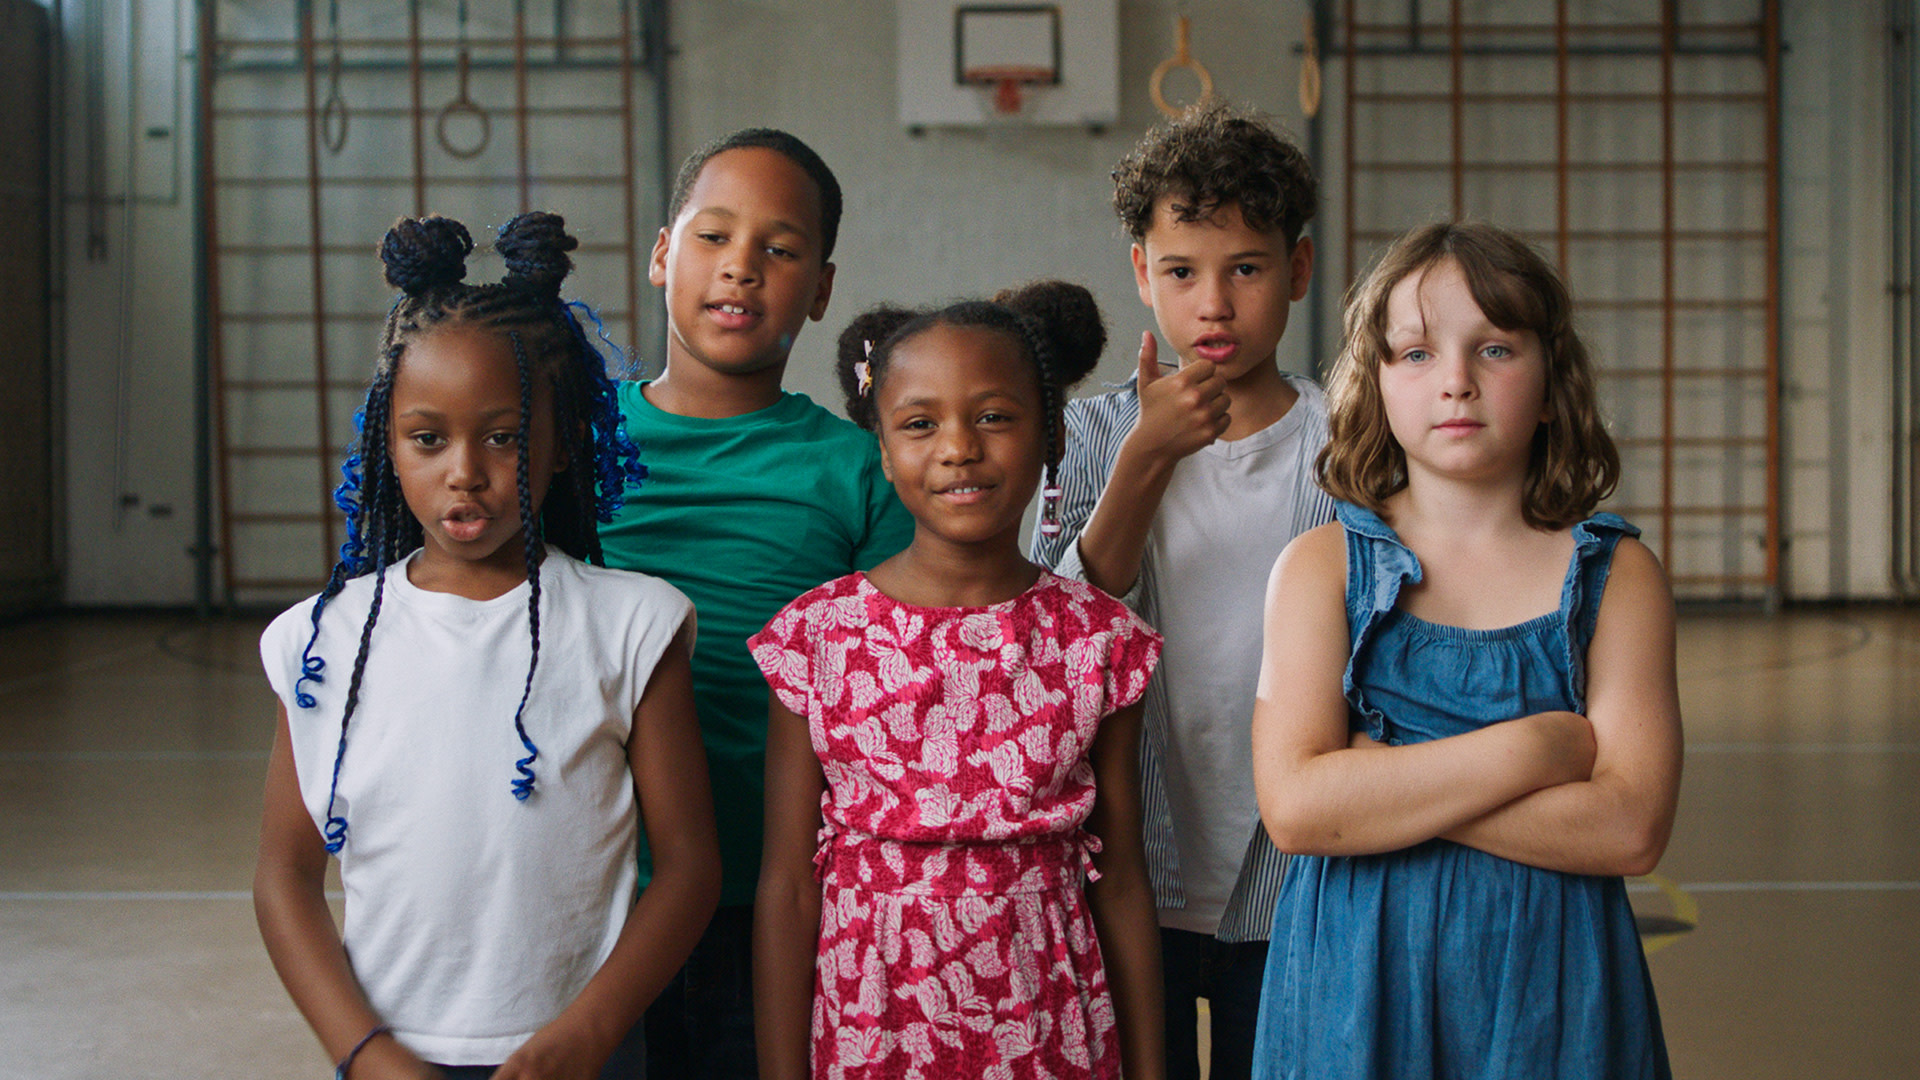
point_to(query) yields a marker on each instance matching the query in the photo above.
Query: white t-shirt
(1216, 558)
(472, 918)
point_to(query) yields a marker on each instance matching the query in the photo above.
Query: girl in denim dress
(1467, 722)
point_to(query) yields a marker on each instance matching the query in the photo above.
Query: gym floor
(1784, 923)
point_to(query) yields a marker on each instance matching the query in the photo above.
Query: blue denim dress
(1441, 960)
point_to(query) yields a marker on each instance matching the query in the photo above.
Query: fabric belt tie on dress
(966, 868)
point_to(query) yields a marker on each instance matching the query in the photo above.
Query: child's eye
(1180, 273)
(996, 418)
(1496, 352)
(918, 423)
(781, 252)
(425, 440)
(712, 237)
(1415, 355)
(503, 438)
(1246, 269)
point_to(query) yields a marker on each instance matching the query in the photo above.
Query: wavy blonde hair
(1573, 464)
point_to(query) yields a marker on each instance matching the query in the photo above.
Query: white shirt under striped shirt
(1228, 512)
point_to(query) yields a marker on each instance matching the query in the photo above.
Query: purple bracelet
(340, 1070)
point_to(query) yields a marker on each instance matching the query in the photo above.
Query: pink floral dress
(955, 939)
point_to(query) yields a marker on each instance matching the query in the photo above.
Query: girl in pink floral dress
(954, 884)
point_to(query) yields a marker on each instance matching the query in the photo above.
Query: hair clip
(863, 371)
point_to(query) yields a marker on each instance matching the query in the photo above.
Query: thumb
(1149, 359)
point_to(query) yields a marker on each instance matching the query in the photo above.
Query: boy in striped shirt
(1178, 492)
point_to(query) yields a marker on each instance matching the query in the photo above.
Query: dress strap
(1594, 540)
(1378, 565)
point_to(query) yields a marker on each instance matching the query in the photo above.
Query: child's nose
(959, 444)
(1456, 376)
(1216, 302)
(465, 471)
(741, 264)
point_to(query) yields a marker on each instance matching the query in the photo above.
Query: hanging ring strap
(463, 105)
(333, 114)
(1182, 58)
(1310, 74)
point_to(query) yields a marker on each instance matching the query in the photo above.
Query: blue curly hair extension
(620, 467)
(426, 260)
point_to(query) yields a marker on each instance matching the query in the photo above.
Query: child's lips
(965, 494)
(464, 525)
(1215, 349)
(732, 316)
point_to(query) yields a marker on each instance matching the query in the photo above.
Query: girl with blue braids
(512, 709)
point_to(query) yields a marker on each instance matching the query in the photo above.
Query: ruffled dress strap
(1378, 566)
(1594, 541)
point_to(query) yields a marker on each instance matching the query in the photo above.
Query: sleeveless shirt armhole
(1594, 542)
(1378, 564)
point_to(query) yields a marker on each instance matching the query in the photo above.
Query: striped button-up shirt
(1096, 427)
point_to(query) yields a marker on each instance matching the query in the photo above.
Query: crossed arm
(1588, 794)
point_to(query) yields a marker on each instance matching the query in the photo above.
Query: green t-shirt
(743, 515)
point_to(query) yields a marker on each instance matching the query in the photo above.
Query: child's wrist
(343, 1068)
(1149, 462)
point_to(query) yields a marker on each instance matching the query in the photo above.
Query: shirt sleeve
(783, 652)
(1132, 654)
(1092, 444)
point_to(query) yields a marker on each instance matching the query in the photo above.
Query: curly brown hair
(1573, 464)
(1212, 156)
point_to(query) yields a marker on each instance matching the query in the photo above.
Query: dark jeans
(701, 1027)
(1228, 975)
(629, 1061)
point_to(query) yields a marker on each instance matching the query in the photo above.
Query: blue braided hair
(425, 259)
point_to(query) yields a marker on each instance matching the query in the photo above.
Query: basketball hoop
(1007, 81)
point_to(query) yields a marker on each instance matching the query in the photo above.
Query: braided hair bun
(1071, 321)
(534, 246)
(421, 254)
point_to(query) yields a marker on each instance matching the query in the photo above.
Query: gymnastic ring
(462, 106)
(1182, 58)
(1160, 76)
(334, 111)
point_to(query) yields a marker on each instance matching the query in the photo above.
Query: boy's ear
(1300, 266)
(1139, 254)
(657, 262)
(823, 294)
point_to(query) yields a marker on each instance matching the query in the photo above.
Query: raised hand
(1179, 412)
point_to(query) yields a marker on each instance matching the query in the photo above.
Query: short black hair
(1212, 156)
(780, 142)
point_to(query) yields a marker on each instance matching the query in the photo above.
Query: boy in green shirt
(754, 495)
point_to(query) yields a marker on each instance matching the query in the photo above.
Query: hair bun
(1071, 319)
(534, 247)
(421, 253)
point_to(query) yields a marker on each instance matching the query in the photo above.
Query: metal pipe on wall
(1903, 138)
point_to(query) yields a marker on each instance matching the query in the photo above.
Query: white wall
(963, 212)
(1837, 315)
(956, 212)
